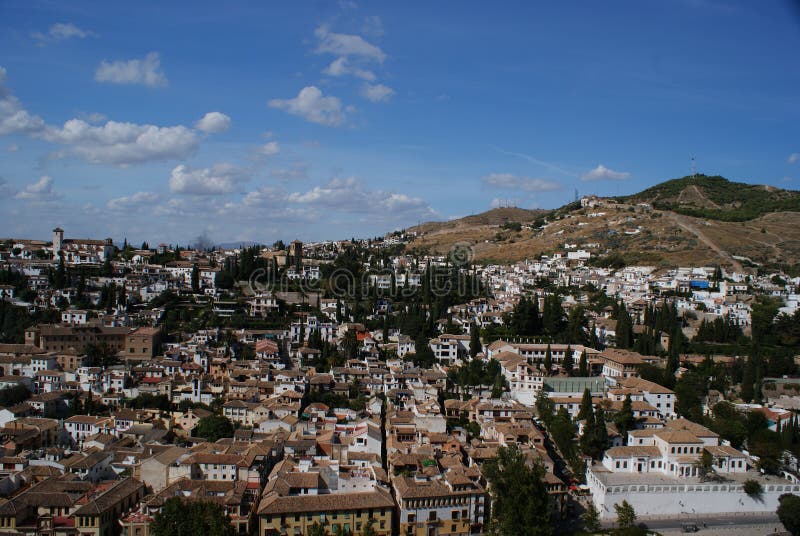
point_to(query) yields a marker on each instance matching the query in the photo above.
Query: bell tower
(58, 241)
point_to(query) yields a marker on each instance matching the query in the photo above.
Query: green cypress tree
(474, 341)
(569, 361)
(548, 360)
(587, 408)
(624, 419)
(583, 365)
(748, 380)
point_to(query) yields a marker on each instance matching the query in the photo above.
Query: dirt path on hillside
(699, 193)
(684, 223)
(703, 196)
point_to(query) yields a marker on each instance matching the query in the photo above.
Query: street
(755, 525)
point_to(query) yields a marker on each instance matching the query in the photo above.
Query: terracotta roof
(631, 451)
(677, 436)
(272, 503)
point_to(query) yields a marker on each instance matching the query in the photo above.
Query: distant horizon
(256, 121)
(251, 242)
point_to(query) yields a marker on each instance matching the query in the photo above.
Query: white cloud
(346, 45)
(123, 143)
(219, 179)
(39, 191)
(146, 71)
(131, 201)
(110, 143)
(340, 67)
(377, 92)
(349, 195)
(6, 190)
(298, 171)
(12, 148)
(603, 173)
(373, 25)
(60, 31)
(313, 106)
(269, 149)
(94, 117)
(214, 122)
(515, 182)
(794, 157)
(13, 117)
(266, 196)
(173, 207)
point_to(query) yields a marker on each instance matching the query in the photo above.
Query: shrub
(753, 488)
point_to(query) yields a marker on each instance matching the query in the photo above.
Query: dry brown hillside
(640, 234)
(495, 216)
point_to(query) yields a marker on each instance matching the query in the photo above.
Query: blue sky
(163, 121)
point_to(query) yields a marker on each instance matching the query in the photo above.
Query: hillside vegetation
(495, 216)
(694, 221)
(717, 198)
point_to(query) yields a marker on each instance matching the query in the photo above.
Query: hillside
(716, 198)
(748, 226)
(495, 216)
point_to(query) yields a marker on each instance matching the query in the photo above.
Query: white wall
(728, 498)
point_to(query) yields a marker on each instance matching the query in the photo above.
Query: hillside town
(355, 387)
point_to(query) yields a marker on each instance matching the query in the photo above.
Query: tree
(563, 431)
(591, 518)
(521, 505)
(624, 419)
(369, 528)
(339, 530)
(474, 341)
(195, 278)
(61, 272)
(583, 365)
(11, 396)
(626, 515)
(569, 361)
(594, 440)
(545, 407)
(108, 269)
(100, 355)
(749, 379)
(689, 391)
(753, 488)
(705, 466)
(789, 512)
(587, 408)
(214, 427)
(624, 330)
(183, 518)
(548, 360)
(576, 325)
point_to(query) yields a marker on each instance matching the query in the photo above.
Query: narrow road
(684, 223)
(756, 525)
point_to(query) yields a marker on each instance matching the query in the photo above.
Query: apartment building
(299, 494)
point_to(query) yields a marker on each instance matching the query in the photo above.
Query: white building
(659, 473)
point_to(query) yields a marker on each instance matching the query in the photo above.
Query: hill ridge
(688, 221)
